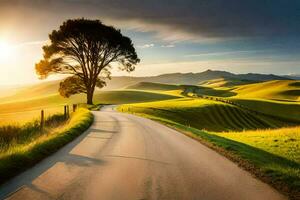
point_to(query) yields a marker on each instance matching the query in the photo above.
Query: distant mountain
(191, 78)
(261, 77)
(293, 76)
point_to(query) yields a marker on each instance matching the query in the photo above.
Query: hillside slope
(205, 114)
(225, 82)
(153, 86)
(278, 90)
(26, 92)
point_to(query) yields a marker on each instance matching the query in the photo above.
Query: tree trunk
(89, 97)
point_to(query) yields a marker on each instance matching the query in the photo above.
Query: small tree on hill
(86, 50)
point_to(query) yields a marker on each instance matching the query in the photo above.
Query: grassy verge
(279, 170)
(22, 155)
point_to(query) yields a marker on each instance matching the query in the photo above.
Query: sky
(261, 36)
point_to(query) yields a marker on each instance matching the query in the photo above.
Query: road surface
(125, 157)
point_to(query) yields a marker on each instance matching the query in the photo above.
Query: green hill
(225, 82)
(277, 90)
(286, 110)
(153, 86)
(206, 114)
(207, 91)
(26, 92)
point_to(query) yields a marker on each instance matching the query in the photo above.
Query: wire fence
(37, 113)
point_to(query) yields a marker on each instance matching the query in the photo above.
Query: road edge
(254, 171)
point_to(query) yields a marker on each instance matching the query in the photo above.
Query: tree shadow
(63, 155)
(102, 130)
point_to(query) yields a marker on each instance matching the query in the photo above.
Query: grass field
(28, 144)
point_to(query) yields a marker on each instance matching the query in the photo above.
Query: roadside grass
(282, 172)
(28, 146)
(284, 142)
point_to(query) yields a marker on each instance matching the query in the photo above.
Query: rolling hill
(225, 82)
(153, 86)
(277, 90)
(220, 78)
(31, 91)
(206, 114)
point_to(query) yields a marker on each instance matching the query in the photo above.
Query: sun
(5, 51)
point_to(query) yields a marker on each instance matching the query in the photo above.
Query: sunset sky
(240, 36)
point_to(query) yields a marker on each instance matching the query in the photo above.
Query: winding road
(125, 157)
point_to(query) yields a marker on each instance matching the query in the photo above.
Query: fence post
(74, 107)
(42, 119)
(68, 111)
(65, 112)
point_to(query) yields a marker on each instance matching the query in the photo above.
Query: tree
(85, 50)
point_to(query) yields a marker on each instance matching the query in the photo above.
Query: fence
(37, 113)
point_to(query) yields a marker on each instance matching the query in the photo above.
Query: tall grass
(16, 134)
(29, 144)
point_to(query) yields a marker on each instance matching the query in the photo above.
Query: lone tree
(85, 49)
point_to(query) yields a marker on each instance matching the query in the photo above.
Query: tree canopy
(85, 50)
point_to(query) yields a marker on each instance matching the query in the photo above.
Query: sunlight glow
(6, 51)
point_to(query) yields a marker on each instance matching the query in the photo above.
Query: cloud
(145, 46)
(261, 65)
(168, 46)
(179, 20)
(223, 53)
